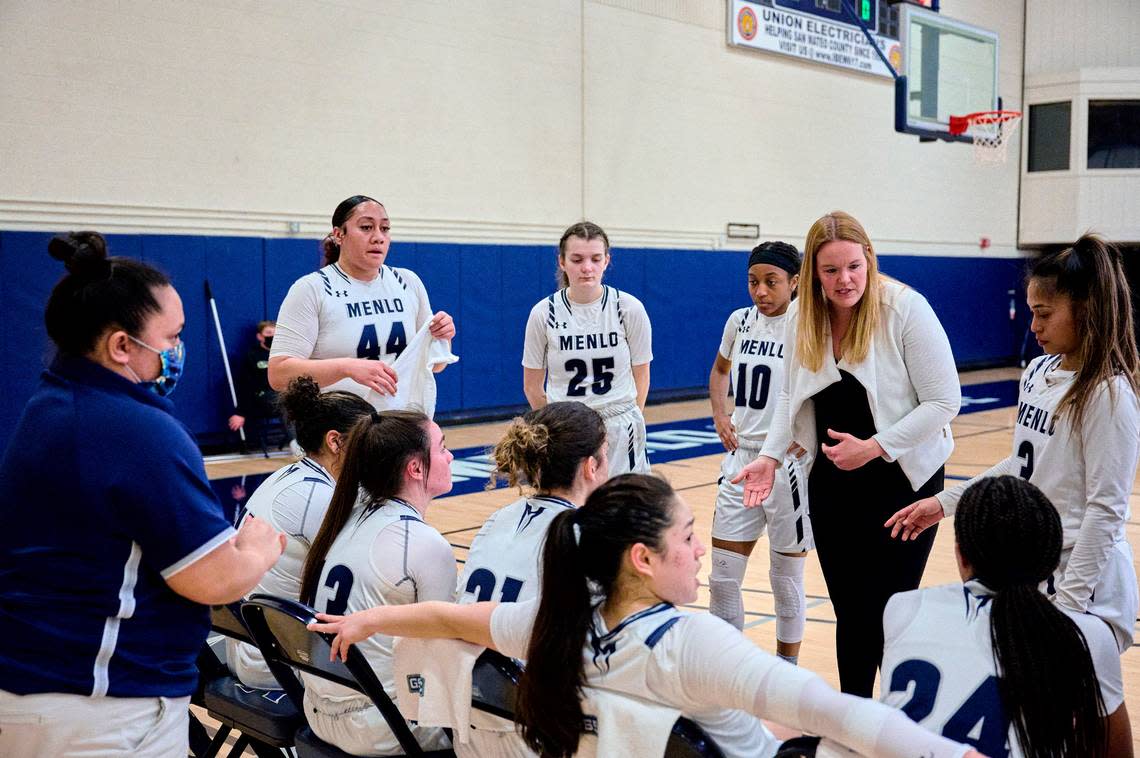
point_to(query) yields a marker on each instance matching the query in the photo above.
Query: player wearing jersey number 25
(353, 318)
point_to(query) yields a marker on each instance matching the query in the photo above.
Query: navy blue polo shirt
(103, 495)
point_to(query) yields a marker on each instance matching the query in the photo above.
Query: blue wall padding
(488, 289)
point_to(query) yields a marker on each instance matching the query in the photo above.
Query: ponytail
(582, 556)
(1010, 535)
(549, 698)
(375, 458)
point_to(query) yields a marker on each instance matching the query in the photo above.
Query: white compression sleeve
(725, 597)
(787, 576)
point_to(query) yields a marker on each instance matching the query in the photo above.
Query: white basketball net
(993, 132)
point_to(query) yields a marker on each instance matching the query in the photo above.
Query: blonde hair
(813, 326)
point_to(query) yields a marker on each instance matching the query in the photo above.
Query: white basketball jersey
(506, 554)
(588, 350)
(294, 500)
(328, 314)
(618, 660)
(938, 665)
(755, 345)
(352, 580)
(1051, 456)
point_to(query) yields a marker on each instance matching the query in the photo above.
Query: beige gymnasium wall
(481, 121)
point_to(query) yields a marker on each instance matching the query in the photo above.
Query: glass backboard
(948, 68)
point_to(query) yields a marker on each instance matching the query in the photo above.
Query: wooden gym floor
(981, 438)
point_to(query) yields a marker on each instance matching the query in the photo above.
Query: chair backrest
(227, 620)
(688, 740)
(279, 628)
(494, 684)
(494, 689)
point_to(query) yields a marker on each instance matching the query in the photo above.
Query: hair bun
(83, 253)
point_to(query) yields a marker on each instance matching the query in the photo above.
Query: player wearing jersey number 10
(345, 324)
(752, 351)
(592, 343)
(1077, 431)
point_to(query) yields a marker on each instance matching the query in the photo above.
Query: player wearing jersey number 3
(345, 324)
(1077, 432)
(592, 343)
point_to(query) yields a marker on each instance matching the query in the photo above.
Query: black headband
(779, 254)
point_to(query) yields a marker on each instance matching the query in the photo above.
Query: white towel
(626, 726)
(415, 378)
(433, 682)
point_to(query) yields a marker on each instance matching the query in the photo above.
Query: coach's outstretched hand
(911, 521)
(758, 478)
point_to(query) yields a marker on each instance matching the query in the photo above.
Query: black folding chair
(494, 689)
(279, 627)
(265, 720)
(798, 747)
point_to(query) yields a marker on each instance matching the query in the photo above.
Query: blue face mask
(173, 360)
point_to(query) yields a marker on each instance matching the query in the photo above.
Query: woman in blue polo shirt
(112, 542)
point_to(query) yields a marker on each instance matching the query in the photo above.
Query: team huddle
(832, 393)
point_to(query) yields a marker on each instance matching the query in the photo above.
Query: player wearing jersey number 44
(752, 354)
(614, 573)
(1077, 430)
(592, 343)
(346, 324)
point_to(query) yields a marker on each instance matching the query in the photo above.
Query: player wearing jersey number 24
(346, 324)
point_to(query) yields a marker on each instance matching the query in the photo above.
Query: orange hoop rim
(959, 124)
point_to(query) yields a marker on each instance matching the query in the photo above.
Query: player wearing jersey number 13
(1077, 432)
(592, 343)
(345, 324)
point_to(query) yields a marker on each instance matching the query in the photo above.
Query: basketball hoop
(992, 132)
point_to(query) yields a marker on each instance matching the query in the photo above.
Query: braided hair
(1009, 534)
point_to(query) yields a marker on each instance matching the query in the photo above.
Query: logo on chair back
(416, 684)
(302, 655)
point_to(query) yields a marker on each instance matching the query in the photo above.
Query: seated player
(374, 548)
(560, 451)
(613, 572)
(994, 662)
(294, 500)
